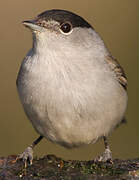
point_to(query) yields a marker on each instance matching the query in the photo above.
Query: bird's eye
(66, 27)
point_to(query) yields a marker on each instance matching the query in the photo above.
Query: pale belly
(72, 114)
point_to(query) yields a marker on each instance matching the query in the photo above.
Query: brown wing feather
(115, 66)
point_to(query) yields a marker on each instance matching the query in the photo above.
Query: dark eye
(66, 27)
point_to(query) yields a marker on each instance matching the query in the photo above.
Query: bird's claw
(27, 155)
(106, 156)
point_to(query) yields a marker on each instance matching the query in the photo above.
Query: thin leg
(28, 153)
(36, 141)
(106, 143)
(107, 154)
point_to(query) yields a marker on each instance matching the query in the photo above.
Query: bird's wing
(115, 66)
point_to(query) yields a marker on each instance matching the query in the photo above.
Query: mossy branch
(52, 168)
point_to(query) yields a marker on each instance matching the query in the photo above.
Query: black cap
(62, 16)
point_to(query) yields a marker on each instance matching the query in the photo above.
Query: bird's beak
(31, 24)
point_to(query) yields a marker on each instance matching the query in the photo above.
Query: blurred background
(117, 22)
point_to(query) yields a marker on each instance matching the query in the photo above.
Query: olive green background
(117, 21)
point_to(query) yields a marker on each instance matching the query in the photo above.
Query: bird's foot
(106, 156)
(27, 155)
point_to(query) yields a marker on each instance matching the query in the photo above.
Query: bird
(72, 89)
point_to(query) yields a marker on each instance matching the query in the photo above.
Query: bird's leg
(28, 153)
(107, 154)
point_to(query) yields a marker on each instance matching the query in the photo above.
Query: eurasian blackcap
(72, 90)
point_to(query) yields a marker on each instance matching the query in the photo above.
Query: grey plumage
(71, 88)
